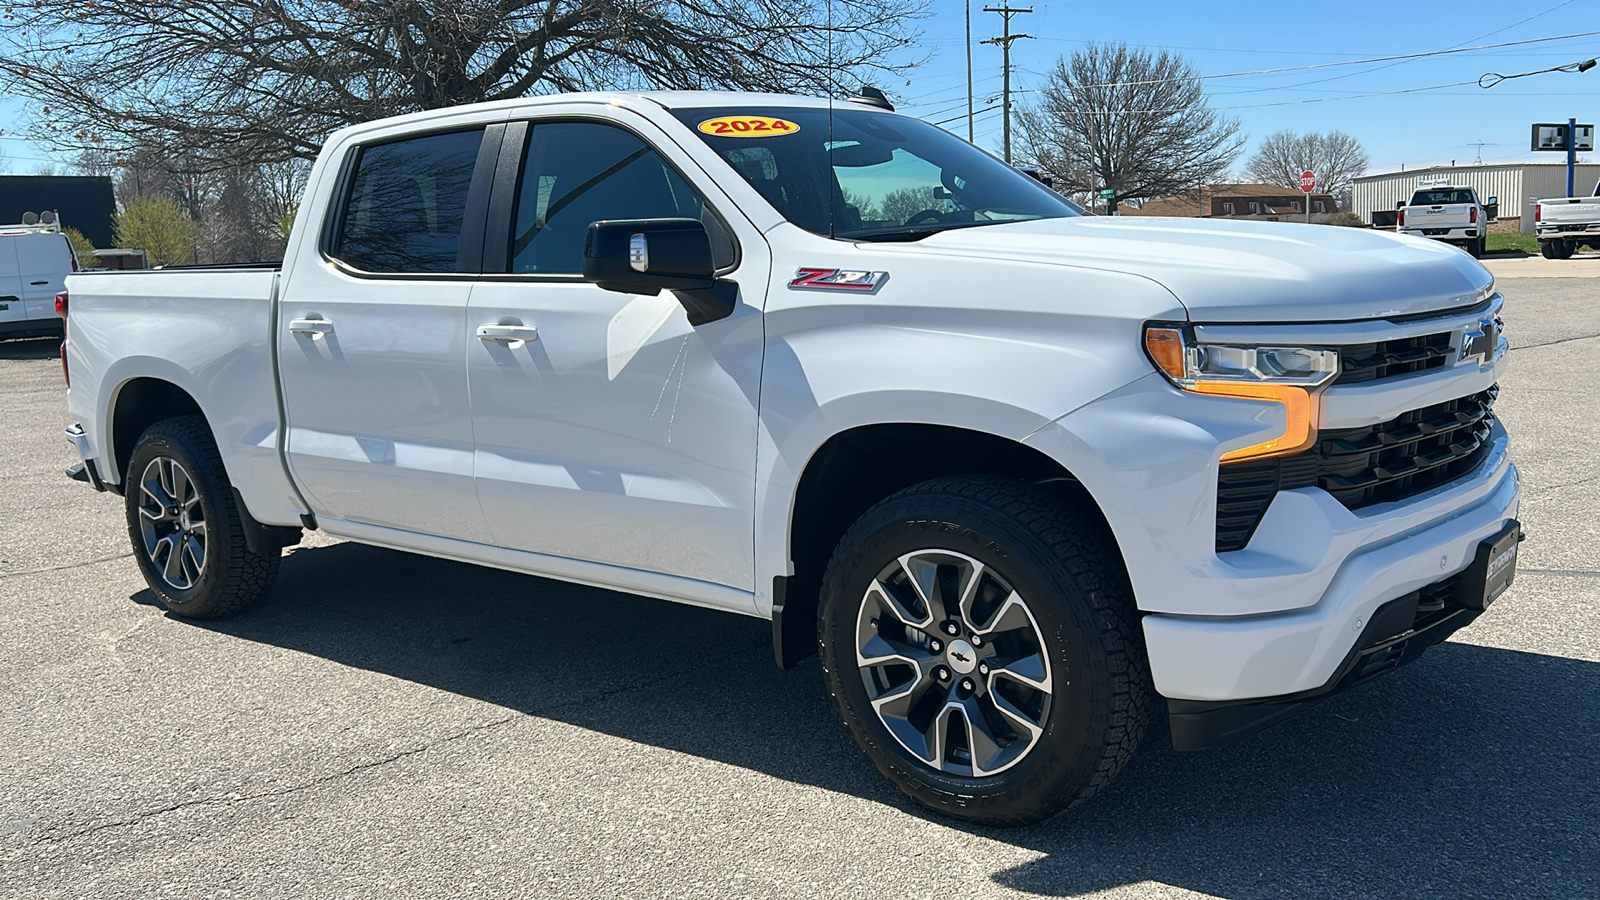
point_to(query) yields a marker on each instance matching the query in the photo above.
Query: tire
(995, 540)
(1549, 250)
(1473, 247)
(199, 567)
(1480, 247)
(1565, 249)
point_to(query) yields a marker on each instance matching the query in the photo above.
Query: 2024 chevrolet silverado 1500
(1015, 471)
(1563, 225)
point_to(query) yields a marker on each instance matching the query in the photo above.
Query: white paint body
(1564, 218)
(1453, 222)
(626, 449)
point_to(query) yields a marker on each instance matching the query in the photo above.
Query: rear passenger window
(406, 204)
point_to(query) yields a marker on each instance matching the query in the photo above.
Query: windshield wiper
(909, 232)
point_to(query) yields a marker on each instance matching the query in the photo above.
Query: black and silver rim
(172, 523)
(954, 663)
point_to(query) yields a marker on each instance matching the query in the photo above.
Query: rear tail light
(1400, 217)
(1472, 215)
(61, 304)
(1538, 213)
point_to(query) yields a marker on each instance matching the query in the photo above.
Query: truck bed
(205, 329)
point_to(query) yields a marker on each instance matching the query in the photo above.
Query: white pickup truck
(1563, 225)
(1016, 472)
(1451, 214)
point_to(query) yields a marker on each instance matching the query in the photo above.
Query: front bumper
(1218, 658)
(1398, 633)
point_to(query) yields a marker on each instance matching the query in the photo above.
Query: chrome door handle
(314, 327)
(507, 334)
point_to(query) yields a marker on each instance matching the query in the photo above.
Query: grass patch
(1516, 240)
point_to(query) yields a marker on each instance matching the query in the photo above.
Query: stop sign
(1308, 181)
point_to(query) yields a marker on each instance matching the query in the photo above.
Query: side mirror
(1038, 176)
(646, 256)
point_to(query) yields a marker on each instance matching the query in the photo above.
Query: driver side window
(577, 173)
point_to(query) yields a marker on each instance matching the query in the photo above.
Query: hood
(1224, 271)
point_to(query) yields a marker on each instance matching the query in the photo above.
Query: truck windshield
(869, 175)
(1438, 197)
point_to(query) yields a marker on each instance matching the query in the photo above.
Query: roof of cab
(626, 99)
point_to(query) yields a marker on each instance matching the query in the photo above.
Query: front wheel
(185, 527)
(980, 643)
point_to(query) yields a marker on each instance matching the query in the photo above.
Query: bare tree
(1132, 121)
(1335, 157)
(227, 81)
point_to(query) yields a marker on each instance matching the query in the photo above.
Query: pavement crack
(348, 771)
(1581, 337)
(77, 565)
(1569, 573)
(232, 798)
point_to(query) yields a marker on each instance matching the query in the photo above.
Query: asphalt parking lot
(394, 726)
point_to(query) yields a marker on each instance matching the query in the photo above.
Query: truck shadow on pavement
(31, 348)
(1472, 773)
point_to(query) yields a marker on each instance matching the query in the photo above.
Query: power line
(1353, 62)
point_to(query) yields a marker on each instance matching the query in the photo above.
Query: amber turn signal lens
(1165, 346)
(1300, 405)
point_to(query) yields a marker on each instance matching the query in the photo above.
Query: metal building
(1517, 185)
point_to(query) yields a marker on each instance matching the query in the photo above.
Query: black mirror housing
(646, 256)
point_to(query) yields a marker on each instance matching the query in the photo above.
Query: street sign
(1308, 181)
(1108, 193)
(1553, 136)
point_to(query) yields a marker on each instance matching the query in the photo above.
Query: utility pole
(970, 138)
(1004, 42)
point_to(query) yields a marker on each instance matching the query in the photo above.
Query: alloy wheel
(954, 663)
(172, 523)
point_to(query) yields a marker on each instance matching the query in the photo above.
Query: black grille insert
(1381, 463)
(1360, 363)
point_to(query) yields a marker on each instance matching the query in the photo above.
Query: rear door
(44, 260)
(372, 337)
(12, 311)
(615, 432)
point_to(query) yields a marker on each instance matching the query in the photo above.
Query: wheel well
(141, 403)
(857, 468)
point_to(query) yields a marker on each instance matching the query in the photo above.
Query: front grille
(1381, 463)
(1359, 363)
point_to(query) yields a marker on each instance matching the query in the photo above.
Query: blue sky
(1219, 38)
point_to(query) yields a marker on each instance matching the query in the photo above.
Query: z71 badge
(837, 280)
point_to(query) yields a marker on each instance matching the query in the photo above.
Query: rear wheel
(1550, 249)
(980, 643)
(1565, 249)
(185, 527)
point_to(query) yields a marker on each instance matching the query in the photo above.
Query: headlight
(1292, 376)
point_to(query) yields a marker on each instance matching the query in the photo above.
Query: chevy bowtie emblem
(1478, 341)
(837, 280)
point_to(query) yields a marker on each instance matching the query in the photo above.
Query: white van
(35, 260)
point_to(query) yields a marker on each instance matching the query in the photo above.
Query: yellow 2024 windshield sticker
(748, 126)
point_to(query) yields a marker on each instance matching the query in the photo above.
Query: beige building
(1262, 202)
(1516, 185)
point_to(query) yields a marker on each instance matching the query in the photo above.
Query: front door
(372, 344)
(607, 428)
